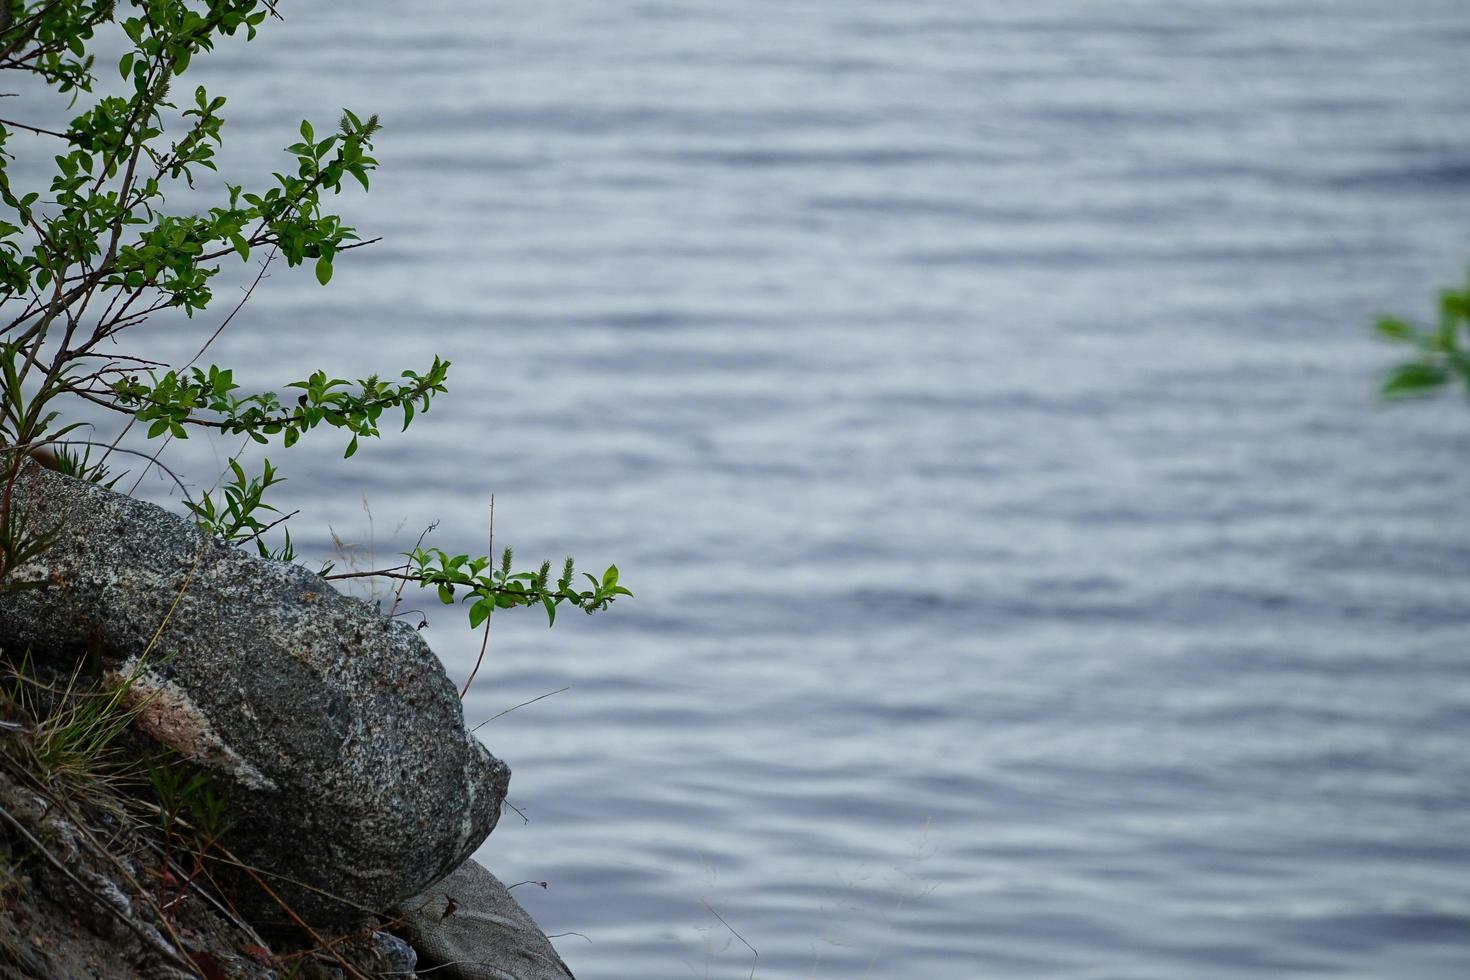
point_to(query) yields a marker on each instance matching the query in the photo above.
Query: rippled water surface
(978, 397)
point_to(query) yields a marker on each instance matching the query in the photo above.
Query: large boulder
(338, 732)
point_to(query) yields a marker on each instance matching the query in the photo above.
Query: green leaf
(550, 605)
(351, 448)
(481, 611)
(324, 269)
(1455, 306)
(1414, 379)
(1392, 328)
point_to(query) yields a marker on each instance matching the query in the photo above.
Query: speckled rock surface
(340, 733)
(469, 927)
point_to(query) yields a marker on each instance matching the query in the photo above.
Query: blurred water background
(978, 397)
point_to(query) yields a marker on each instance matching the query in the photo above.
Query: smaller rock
(392, 954)
(471, 926)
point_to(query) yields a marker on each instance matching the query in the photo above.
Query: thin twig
(737, 935)
(279, 520)
(485, 639)
(424, 970)
(521, 705)
(152, 461)
(394, 572)
(238, 306)
(33, 129)
(398, 595)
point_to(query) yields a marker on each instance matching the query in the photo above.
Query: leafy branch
(172, 400)
(232, 515)
(1442, 351)
(489, 588)
(93, 251)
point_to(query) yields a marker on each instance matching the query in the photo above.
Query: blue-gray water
(978, 397)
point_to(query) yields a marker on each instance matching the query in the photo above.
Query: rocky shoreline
(311, 751)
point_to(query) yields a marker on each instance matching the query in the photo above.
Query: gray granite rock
(340, 734)
(470, 927)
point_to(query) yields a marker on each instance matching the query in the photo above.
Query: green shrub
(90, 254)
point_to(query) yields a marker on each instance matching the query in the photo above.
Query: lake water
(978, 397)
